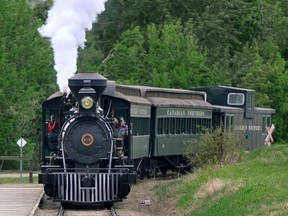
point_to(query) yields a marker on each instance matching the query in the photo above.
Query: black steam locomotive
(79, 163)
(84, 162)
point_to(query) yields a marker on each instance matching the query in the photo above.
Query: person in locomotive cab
(114, 125)
(68, 104)
(53, 130)
(122, 129)
(121, 135)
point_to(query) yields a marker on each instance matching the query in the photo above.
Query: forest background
(165, 43)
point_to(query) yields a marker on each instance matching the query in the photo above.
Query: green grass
(15, 180)
(258, 185)
(15, 177)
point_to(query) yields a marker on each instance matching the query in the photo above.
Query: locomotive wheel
(124, 190)
(49, 190)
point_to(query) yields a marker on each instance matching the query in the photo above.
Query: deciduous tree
(164, 57)
(26, 76)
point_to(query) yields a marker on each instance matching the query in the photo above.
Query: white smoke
(66, 25)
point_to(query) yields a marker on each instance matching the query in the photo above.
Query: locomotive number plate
(87, 139)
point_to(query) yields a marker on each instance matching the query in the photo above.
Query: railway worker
(123, 128)
(53, 130)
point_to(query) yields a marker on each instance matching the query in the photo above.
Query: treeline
(167, 43)
(26, 78)
(188, 43)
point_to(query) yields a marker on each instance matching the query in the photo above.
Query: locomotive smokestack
(89, 82)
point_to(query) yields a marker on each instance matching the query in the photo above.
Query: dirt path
(142, 202)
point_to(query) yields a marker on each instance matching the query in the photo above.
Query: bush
(216, 147)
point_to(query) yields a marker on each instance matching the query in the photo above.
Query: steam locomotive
(88, 164)
(80, 165)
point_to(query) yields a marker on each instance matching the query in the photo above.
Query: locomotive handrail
(22, 158)
(110, 156)
(64, 161)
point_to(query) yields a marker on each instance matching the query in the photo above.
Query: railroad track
(61, 211)
(48, 207)
(113, 211)
(86, 212)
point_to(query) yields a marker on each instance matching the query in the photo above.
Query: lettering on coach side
(247, 127)
(143, 111)
(254, 127)
(195, 113)
(176, 112)
(139, 111)
(240, 127)
(185, 113)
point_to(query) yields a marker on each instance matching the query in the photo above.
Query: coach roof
(166, 97)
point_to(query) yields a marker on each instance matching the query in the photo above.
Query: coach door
(218, 120)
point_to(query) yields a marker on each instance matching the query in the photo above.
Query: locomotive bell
(87, 88)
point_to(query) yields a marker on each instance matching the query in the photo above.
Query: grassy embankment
(258, 185)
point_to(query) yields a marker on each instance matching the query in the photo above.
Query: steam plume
(66, 25)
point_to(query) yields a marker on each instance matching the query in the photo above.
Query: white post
(21, 143)
(21, 153)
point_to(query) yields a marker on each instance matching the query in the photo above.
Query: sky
(101, 4)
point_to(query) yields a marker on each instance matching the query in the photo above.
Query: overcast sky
(101, 4)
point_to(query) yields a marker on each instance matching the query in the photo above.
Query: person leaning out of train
(53, 125)
(53, 130)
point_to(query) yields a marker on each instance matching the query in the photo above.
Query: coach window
(249, 101)
(198, 125)
(140, 126)
(176, 120)
(229, 123)
(188, 126)
(266, 121)
(193, 126)
(172, 125)
(166, 125)
(235, 99)
(269, 120)
(178, 126)
(206, 123)
(183, 126)
(232, 120)
(160, 125)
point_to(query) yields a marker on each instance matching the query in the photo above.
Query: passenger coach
(161, 123)
(235, 108)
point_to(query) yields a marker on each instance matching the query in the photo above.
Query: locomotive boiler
(79, 164)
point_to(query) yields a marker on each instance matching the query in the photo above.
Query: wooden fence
(24, 159)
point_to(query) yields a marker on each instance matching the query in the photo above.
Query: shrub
(216, 147)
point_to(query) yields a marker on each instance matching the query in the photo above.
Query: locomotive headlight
(87, 102)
